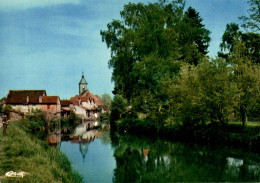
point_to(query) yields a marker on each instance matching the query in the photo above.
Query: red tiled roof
(96, 98)
(65, 103)
(99, 102)
(50, 99)
(24, 96)
(84, 99)
(74, 100)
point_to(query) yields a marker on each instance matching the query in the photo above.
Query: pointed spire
(83, 81)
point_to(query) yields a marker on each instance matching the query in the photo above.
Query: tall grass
(21, 151)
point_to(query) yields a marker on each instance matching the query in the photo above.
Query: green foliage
(35, 124)
(118, 106)
(6, 109)
(230, 37)
(247, 79)
(156, 31)
(106, 98)
(253, 21)
(201, 93)
(73, 119)
(36, 111)
(2, 99)
(24, 152)
(231, 33)
(104, 118)
(158, 56)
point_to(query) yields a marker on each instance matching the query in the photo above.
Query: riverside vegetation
(25, 149)
(166, 84)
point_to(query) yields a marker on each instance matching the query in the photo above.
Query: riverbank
(21, 151)
(233, 134)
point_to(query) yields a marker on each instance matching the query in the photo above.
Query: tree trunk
(4, 129)
(243, 116)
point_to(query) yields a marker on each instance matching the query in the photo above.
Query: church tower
(82, 84)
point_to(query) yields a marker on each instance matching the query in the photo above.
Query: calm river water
(103, 157)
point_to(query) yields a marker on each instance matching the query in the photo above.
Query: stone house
(26, 101)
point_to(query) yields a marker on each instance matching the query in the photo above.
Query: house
(28, 100)
(86, 104)
(66, 107)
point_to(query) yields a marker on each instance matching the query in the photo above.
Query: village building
(27, 101)
(66, 107)
(86, 104)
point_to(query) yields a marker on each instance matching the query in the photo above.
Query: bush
(35, 124)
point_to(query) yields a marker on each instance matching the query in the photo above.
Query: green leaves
(147, 33)
(253, 20)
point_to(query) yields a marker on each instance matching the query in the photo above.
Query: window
(48, 106)
(40, 99)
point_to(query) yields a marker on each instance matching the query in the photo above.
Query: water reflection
(103, 157)
(143, 160)
(90, 153)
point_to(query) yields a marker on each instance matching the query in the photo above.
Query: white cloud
(26, 4)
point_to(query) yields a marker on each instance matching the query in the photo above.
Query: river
(101, 156)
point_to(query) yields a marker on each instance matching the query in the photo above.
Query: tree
(195, 35)
(247, 78)
(156, 30)
(227, 44)
(202, 93)
(2, 99)
(118, 106)
(1, 106)
(253, 21)
(231, 34)
(107, 100)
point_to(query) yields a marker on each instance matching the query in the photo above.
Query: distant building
(28, 100)
(82, 84)
(66, 107)
(86, 104)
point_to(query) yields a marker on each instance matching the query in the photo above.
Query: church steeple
(82, 84)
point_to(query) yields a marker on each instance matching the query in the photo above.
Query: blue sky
(47, 44)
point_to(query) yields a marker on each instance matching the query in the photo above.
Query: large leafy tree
(252, 21)
(202, 93)
(149, 37)
(247, 79)
(250, 39)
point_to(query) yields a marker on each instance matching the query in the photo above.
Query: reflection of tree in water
(105, 137)
(141, 160)
(128, 168)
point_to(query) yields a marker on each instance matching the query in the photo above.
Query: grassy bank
(21, 151)
(232, 134)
